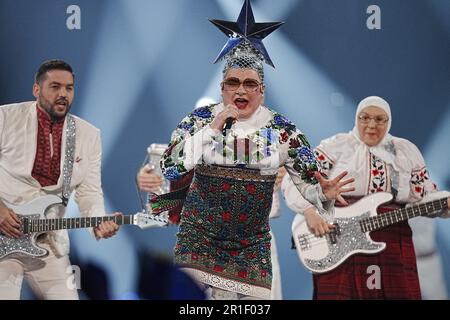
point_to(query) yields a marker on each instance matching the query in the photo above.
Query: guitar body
(323, 254)
(35, 209)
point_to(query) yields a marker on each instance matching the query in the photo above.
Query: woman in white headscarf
(378, 162)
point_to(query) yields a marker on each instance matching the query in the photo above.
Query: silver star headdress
(245, 48)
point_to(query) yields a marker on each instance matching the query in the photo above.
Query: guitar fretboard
(41, 225)
(390, 218)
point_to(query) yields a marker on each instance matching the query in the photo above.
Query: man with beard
(44, 150)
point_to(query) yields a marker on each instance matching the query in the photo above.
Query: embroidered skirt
(223, 238)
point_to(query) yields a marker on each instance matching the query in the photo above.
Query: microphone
(228, 124)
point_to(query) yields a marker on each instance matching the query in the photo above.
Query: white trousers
(276, 273)
(429, 263)
(50, 278)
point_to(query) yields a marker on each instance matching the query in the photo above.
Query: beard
(55, 110)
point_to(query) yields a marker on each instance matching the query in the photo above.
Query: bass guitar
(350, 235)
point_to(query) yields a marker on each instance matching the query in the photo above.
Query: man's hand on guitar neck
(9, 222)
(107, 229)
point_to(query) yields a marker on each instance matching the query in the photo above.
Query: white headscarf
(382, 150)
(400, 154)
(373, 101)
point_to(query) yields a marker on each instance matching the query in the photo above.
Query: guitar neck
(396, 216)
(42, 225)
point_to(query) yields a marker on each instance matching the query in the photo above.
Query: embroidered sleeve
(324, 162)
(301, 166)
(301, 160)
(422, 189)
(300, 163)
(185, 149)
(420, 183)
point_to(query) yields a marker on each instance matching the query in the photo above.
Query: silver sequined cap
(245, 56)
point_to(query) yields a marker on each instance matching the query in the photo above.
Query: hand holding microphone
(224, 120)
(228, 124)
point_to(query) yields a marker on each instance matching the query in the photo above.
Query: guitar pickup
(337, 228)
(334, 233)
(24, 225)
(304, 242)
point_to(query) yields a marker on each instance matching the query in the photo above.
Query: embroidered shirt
(46, 167)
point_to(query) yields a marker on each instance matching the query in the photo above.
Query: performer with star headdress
(228, 154)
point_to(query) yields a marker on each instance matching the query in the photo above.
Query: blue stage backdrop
(142, 65)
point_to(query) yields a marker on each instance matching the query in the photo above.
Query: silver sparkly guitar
(34, 222)
(351, 232)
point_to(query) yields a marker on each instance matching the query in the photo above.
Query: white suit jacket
(18, 142)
